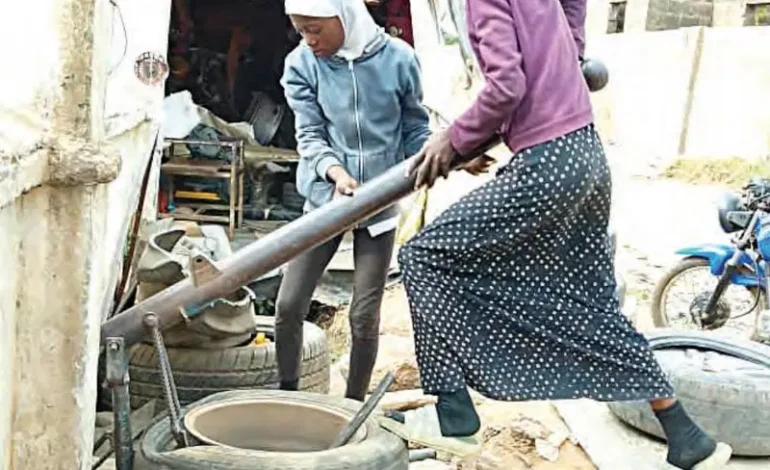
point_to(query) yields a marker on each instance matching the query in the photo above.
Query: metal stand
(117, 381)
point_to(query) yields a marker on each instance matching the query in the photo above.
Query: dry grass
(731, 172)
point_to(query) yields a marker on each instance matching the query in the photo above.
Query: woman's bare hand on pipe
(434, 160)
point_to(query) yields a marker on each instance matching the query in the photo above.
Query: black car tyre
(724, 384)
(199, 373)
(379, 450)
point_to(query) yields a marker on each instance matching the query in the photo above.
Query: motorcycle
(740, 267)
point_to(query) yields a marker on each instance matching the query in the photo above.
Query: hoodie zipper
(358, 126)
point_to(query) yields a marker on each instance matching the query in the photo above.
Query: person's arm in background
(416, 122)
(575, 11)
(505, 82)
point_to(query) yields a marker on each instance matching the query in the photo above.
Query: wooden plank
(253, 155)
(196, 218)
(194, 170)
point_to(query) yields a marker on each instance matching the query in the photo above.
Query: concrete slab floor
(611, 445)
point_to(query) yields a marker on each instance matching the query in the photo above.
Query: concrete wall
(730, 113)
(76, 129)
(659, 15)
(700, 92)
(672, 14)
(642, 108)
(729, 12)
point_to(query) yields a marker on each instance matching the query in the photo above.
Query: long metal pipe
(184, 299)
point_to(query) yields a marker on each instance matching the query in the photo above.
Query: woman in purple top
(512, 289)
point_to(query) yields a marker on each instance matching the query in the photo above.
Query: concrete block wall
(699, 92)
(672, 14)
(660, 15)
(730, 113)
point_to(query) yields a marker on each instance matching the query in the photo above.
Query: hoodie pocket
(321, 192)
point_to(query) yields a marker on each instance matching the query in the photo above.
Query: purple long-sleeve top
(534, 89)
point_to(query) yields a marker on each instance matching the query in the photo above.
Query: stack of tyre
(199, 373)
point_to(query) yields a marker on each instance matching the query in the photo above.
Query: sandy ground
(505, 449)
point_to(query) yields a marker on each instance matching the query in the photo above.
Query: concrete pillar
(49, 317)
(597, 16)
(636, 16)
(729, 12)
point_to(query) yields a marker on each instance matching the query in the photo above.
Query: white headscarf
(360, 29)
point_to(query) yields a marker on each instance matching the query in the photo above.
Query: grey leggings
(372, 258)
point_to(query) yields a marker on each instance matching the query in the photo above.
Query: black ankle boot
(688, 444)
(456, 414)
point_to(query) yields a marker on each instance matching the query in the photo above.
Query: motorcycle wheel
(660, 317)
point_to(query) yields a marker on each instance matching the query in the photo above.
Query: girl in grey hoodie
(356, 95)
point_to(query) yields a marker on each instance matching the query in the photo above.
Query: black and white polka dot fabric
(512, 289)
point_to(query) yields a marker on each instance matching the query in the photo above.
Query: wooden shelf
(233, 172)
(223, 219)
(190, 167)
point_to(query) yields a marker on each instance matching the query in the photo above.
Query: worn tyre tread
(202, 372)
(734, 410)
(313, 383)
(380, 450)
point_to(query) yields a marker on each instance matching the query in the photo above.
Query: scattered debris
(407, 377)
(547, 450)
(529, 428)
(432, 465)
(406, 400)
(520, 444)
(494, 461)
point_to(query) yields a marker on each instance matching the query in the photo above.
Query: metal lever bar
(363, 414)
(185, 299)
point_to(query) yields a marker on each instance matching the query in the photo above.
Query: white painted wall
(731, 106)
(60, 246)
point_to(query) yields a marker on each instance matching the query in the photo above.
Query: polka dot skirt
(512, 289)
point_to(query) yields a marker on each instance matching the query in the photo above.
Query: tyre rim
(268, 425)
(675, 304)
